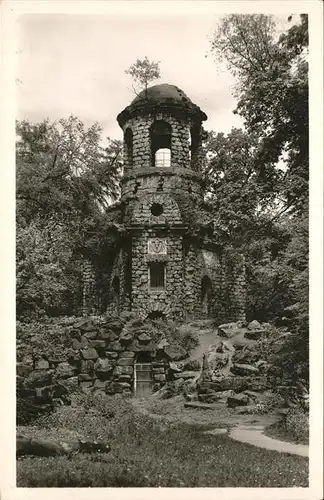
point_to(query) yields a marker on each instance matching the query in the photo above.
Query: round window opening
(156, 209)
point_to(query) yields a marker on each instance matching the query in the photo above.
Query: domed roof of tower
(163, 93)
(161, 97)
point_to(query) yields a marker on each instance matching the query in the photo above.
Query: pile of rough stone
(233, 372)
(92, 354)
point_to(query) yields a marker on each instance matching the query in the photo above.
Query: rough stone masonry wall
(89, 293)
(192, 278)
(96, 354)
(170, 300)
(234, 287)
(178, 181)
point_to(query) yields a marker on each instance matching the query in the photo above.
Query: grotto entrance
(143, 380)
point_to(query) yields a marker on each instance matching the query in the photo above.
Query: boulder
(255, 396)
(59, 390)
(99, 384)
(112, 355)
(37, 447)
(23, 370)
(86, 385)
(70, 384)
(144, 338)
(87, 366)
(254, 330)
(41, 364)
(175, 353)
(254, 334)
(92, 334)
(125, 361)
(214, 397)
(243, 369)
(162, 344)
(126, 337)
(127, 354)
(106, 334)
(39, 378)
(96, 343)
(238, 400)
(65, 370)
(237, 384)
(116, 325)
(174, 367)
(83, 324)
(113, 387)
(81, 343)
(103, 366)
(192, 365)
(115, 346)
(123, 370)
(249, 355)
(89, 353)
(228, 330)
(217, 360)
(258, 384)
(44, 394)
(186, 375)
(254, 325)
(85, 377)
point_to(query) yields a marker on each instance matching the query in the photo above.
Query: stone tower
(168, 261)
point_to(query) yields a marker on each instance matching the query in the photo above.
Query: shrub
(293, 427)
(296, 424)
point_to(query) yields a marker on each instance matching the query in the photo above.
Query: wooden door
(143, 380)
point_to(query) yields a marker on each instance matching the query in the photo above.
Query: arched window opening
(128, 139)
(163, 158)
(206, 294)
(160, 135)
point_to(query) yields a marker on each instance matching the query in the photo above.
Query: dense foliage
(65, 178)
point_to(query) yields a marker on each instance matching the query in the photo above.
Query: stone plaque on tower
(156, 246)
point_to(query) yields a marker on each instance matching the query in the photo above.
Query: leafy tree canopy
(272, 92)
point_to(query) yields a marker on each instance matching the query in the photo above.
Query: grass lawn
(145, 453)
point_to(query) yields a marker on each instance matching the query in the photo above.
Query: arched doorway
(206, 295)
(143, 379)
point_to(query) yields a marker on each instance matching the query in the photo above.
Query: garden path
(248, 429)
(254, 434)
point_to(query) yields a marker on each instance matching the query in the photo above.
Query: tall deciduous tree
(243, 191)
(66, 177)
(272, 92)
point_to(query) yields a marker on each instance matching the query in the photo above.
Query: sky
(74, 64)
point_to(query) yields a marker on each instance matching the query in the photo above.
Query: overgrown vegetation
(294, 427)
(149, 454)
